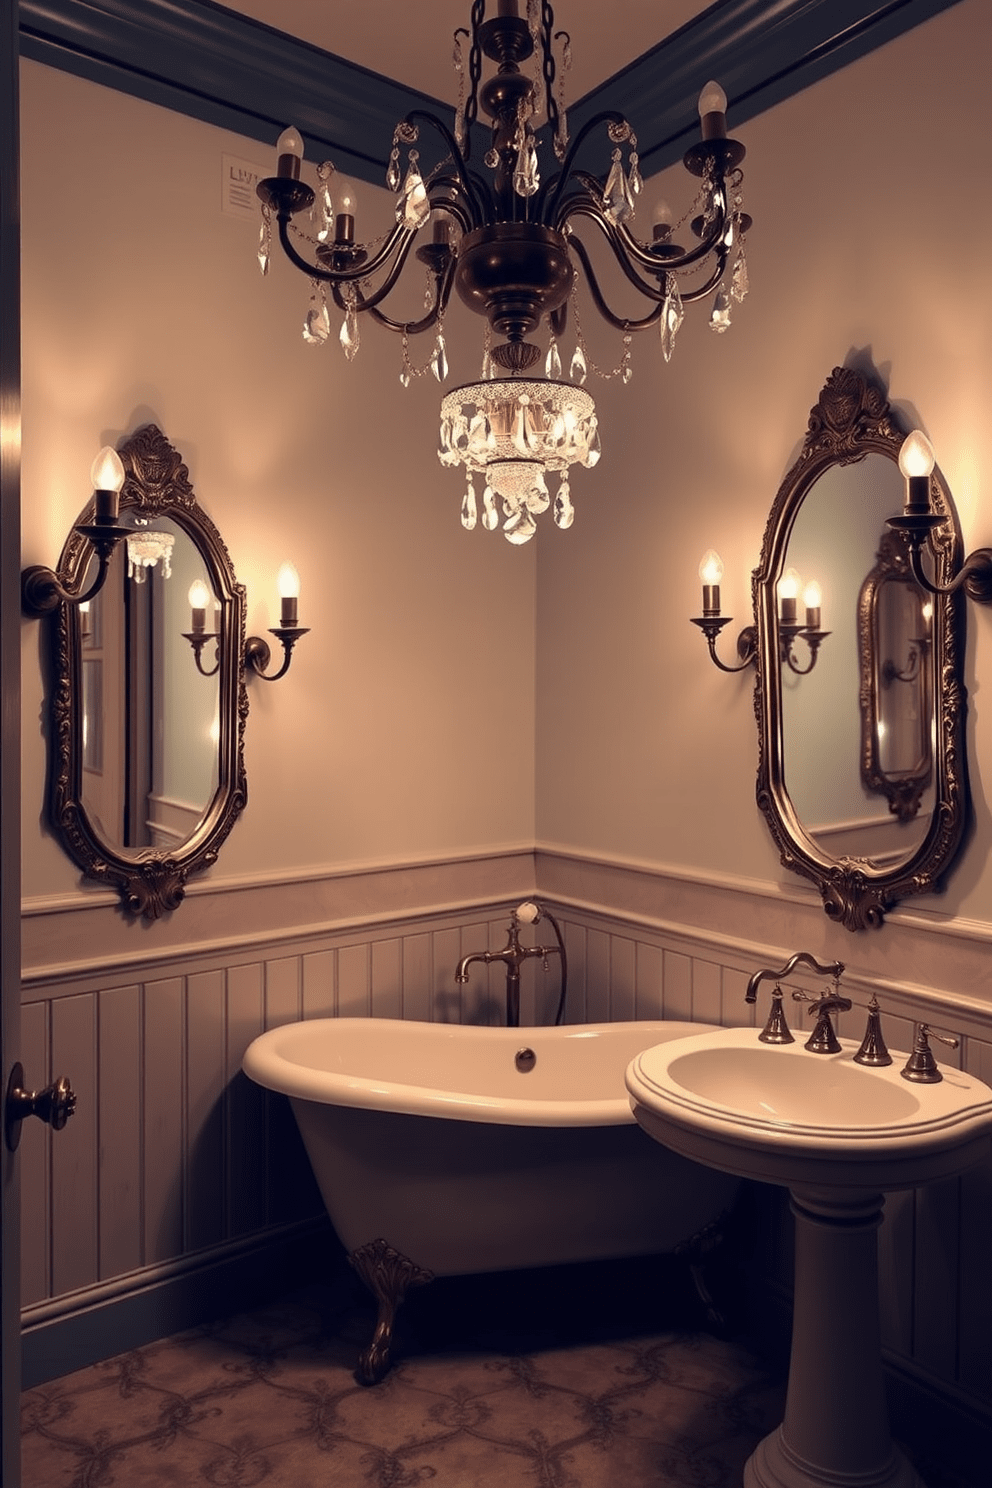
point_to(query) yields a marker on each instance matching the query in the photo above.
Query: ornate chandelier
(510, 243)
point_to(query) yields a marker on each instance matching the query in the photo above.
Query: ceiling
(412, 42)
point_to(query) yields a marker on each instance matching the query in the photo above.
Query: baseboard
(71, 1332)
(947, 1432)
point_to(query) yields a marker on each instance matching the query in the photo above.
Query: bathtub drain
(525, 1060)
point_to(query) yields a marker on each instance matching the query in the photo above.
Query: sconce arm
(747, 641)
(258, 653)
(974, 575)
(41, 590)
(813, 639)
(198, 639)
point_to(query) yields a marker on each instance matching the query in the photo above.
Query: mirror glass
(149, 701)
(861, 773)
(836, 539)
(151, 723)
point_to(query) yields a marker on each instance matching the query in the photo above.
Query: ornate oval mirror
(861, 771)
(149, 702)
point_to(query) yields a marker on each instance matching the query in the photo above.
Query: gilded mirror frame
(149, 881)
(851, 420)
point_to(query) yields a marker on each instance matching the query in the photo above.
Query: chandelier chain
(474, 74)
(623, 369)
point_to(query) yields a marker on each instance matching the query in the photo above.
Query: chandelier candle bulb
(916, 461)
(713, 112)
(198, 597)
(812, 598)
(289, 591)
(661, 221)
(711, 572)
(344, 220)
(289, 154)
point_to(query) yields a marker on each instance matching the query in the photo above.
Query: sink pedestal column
(836, 1426)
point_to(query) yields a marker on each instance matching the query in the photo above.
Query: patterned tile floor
(595, 1378)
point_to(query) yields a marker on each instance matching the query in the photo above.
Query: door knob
(55, 1104)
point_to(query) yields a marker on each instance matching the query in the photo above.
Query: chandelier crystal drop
(511, 245)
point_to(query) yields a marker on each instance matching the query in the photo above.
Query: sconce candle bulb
(916, 461)
(198, 597)
(107, 475)
(289, 593)
(711, 572)
(788, 594)
(812, 598)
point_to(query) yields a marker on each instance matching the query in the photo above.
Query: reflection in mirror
(861, 770)
(895, 619)
(148, 767)
(160, 713)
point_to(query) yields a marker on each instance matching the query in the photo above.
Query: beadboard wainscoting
(177, 1172)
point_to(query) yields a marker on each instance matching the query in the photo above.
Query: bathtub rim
(265, 1064)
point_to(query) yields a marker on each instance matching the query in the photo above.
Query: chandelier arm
(689, 296)
(453, 205)
(443, 283)
(613, 236)
(548, 197)
(589, 198)
(345, 276)
(618, 322)
(362, 303)
(469, 182)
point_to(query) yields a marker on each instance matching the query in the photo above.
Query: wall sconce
(919, 647)
(40, 588)
(257, 651)
(916, 461)
(198, 635)
(788, 621)
(711, 622)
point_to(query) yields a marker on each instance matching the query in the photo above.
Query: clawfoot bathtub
(442, 1149)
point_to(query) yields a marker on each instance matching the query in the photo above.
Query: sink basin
(784, 1115)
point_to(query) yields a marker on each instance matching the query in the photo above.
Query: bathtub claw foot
(388, 1276)
(696, 1252)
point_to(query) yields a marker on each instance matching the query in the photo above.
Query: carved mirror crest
(147, 770)
(862, 772)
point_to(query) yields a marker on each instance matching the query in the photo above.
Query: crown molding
(203, 60)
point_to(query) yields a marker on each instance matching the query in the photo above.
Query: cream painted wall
(142, 301)
(872, 221)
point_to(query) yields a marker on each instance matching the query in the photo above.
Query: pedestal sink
(837, 1135)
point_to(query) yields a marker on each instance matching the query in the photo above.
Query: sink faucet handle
(823, 1039)
(776, 1030)
(873, 1051)
(921, 1067)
